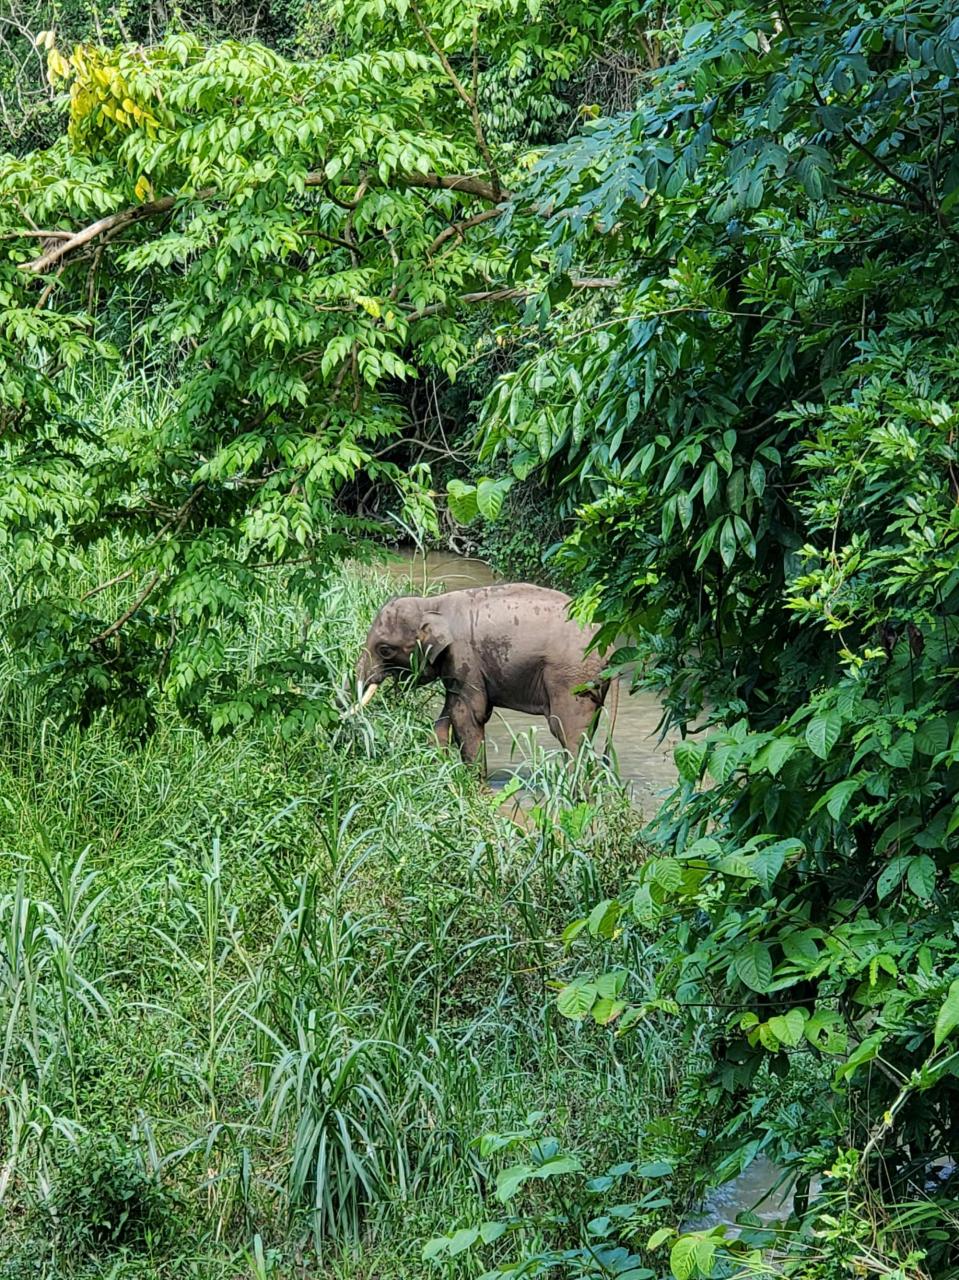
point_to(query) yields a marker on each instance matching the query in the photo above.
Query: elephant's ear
(434, 635)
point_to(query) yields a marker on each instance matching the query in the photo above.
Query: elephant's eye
(385, 650)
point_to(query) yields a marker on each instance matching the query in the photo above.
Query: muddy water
(644, 761)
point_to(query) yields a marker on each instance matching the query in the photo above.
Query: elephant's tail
(611, 706)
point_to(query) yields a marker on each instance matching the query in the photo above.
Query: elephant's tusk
(368, 694)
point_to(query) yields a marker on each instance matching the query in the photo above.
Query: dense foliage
(760, 436)
(696, 266)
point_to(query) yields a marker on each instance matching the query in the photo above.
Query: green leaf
(462, 501)
(800, 947)
(838, 796)
(666, 872)
(682, 1257)
(433, 1248)
(576, 999)
(491, 1231)
(826, 1031)
(921, 876)
(769, 860)
(736, 864)
(822, 733)
(864, 1052)
(509, 1181)
(754, 967)
(788, 1027)
(658, 1237)
(706, 1255)
(490, 495)
(601, 921)
(690, 758)
(932, 737)
(727, 542)
(948, 1017)
(610, 984)
(892, 875)
(775, 754)
(607, 1010)
(462, 1240)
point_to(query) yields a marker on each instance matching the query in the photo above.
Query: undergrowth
(258, 996)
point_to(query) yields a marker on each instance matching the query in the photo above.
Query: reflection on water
(644, 762)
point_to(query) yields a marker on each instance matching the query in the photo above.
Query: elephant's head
(408, 635)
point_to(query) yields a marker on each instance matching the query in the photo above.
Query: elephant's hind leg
(572, 717)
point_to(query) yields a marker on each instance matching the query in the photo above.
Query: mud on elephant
(512, 645)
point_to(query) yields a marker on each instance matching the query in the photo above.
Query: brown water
(644, 762)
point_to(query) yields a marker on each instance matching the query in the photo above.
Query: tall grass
(288, 981)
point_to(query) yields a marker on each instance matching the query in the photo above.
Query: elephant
(511, 645)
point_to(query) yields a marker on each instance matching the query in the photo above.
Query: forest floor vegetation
(258, 994)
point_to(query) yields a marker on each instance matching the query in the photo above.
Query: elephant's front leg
(441, 726)
(469, 730)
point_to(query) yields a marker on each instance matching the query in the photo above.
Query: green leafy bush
(757, 433)
(104, 1199)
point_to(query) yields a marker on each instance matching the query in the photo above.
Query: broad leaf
(822, 733)
(948, 1017)
(753, 966)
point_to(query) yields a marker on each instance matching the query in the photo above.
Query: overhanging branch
(69, 242)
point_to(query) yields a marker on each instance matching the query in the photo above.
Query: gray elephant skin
(512, 645)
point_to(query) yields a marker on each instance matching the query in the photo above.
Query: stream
(646, 764)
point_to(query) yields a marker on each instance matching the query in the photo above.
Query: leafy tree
(757, 437)
(295, 233)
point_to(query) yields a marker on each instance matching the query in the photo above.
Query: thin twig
(180, 518)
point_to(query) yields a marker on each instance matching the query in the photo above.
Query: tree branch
(112, 222)
(471, 100)
(67, 242)
(457, 228)
(871, 156)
